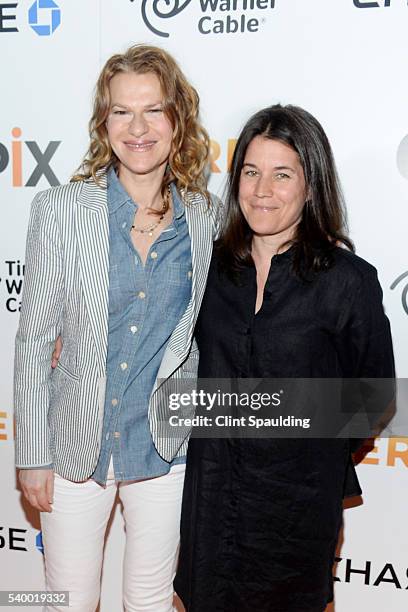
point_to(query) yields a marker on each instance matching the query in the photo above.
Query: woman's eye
(282, 175)
(250, 172)
(155, 110)
(119, 112)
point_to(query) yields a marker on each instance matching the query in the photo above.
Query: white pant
(74, 532)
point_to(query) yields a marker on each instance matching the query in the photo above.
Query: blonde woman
(116, 265)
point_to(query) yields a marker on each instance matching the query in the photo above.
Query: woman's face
(139, 131)
(272, 188)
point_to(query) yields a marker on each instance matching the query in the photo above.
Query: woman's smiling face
(272, 188)
(139, 131)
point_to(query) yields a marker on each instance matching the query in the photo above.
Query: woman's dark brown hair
(323, 224)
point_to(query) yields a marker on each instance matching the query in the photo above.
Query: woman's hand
(38, 485)
(38, 488)
(57, 352)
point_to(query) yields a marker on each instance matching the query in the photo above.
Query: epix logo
(217, 16)
(44, 17)
(12, 154)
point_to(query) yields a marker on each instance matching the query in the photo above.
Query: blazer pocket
(62, 369)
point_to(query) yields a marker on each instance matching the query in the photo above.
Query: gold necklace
(149, 229)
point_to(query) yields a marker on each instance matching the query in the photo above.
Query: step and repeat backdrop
(343, 60)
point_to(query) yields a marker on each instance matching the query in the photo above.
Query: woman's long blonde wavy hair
(190, 148)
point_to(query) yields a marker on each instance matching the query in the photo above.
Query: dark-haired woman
(286, 298)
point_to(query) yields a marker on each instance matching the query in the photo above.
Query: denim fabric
(145, 305)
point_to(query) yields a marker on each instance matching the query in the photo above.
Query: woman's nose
(264, 187)
(138, 125)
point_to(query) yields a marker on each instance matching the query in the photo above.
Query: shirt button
(153, 255)
(133, 329)
(123, 365)
(189, 274)
(142, 295)
(114, 402)
(116, 434)
(107, 436)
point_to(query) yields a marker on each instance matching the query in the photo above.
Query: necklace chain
(149, 229)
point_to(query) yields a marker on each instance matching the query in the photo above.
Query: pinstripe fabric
(201, 234)
(59, 413)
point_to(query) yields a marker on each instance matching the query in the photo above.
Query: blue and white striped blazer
(59, 413)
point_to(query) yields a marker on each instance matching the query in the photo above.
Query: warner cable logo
(11, 282)
(404, 294)
(217, 16)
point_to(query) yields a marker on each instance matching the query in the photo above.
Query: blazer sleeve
(364, 347)
(39, 326)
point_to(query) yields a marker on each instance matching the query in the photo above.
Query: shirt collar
(177, 202)
(117, 195)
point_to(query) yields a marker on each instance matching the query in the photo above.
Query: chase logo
(217, 16)
(39, 543)
(44, 17)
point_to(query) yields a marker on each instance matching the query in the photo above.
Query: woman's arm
(364, 348)
(40, 324)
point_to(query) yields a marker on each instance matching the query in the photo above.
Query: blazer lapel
(201, 229)
(92, 230)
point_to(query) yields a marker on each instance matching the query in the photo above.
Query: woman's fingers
(38, 488)
(57, 352)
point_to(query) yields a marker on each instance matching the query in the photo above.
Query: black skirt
(260, 523)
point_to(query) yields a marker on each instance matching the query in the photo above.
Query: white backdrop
(343, 60)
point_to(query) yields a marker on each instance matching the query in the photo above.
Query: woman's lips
(139, 146)
(265, 208)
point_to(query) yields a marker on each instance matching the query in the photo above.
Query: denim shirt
(145, 304)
